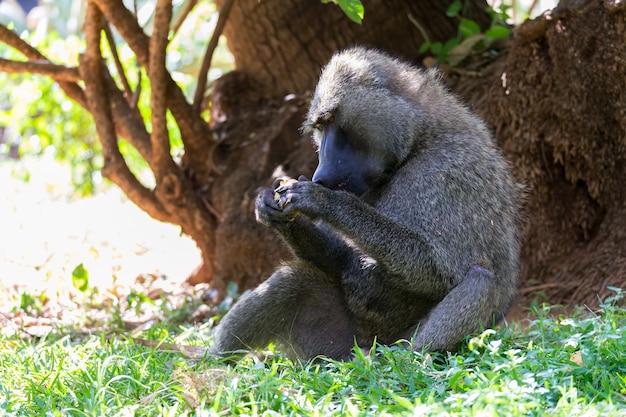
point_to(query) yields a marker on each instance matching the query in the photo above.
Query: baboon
(407, 231)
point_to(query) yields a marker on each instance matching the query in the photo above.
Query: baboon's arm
(403, 251)
(318, 245)
(315, 243)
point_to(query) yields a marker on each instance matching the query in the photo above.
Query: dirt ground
(45, 234)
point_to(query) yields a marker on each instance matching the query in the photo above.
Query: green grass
(557, 366)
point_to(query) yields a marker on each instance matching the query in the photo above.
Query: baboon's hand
(270, 204)
(288, 199)
(302, 196)
(280, 185)
(267, 209)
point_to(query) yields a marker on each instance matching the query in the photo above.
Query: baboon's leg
(297, 307)
(476, 303)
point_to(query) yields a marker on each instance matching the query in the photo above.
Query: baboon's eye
(323, 120)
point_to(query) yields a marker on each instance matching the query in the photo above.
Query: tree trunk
(558, 103)
(285, 43)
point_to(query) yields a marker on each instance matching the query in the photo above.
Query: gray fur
(429, 252)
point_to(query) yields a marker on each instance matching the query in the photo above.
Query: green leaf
(27, 302)
(454, 8)
(497, 32)
(504, 11)
(450, 43)
(232, 289)
(353, 9)
(468, 28)
(436, 48)
(80, 278)
(425, 47)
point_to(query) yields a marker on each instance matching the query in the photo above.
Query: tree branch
(56, 72)
(189, 5)
(128, 121)
(14, 41)
(92, 70)
(10, 38)
(118, 64)
(208, 55)
(194, 131)
(162, 160)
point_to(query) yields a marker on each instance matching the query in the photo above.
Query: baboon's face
(343, 164)
(362, 127)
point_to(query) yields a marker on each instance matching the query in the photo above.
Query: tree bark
(285, 43)
(557, 101)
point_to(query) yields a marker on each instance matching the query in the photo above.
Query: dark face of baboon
(423, 245)
(343, 165)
